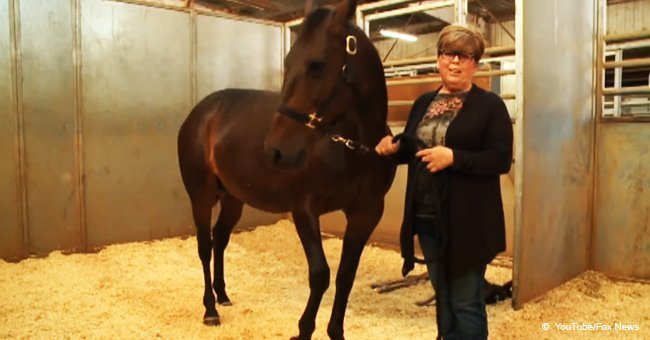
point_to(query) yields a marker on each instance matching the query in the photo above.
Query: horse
(307, 150)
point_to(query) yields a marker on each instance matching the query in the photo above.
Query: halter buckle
(313, 120)
(351, 44)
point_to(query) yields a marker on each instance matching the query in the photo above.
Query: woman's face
(457, 70)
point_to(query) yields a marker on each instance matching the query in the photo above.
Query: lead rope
(350, 144)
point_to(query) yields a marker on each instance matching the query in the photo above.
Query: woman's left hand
(437, 158)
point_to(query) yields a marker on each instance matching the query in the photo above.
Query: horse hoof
(223, 299)
(211, 321)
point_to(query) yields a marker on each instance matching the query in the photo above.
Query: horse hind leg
(202, 202)
(231, 210)
(202, 187)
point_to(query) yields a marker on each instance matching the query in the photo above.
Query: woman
(457, 141)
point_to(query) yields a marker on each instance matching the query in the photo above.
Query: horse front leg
(229, 215)
(361, 223)
(308, 229)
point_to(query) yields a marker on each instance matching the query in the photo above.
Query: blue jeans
(460, 307)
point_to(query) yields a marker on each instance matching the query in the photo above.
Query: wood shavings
(154, 289)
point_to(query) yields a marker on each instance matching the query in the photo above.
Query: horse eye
(315, 68)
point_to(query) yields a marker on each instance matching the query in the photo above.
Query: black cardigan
(481, 138)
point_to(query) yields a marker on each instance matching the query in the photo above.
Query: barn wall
(622, 207)
(104, 88)
(496, 36)
(425, 46)
(135, 93)
(630, 16)
(557, 130)
(223, 63)
(11, 232)
(621, 242)
(49, 115)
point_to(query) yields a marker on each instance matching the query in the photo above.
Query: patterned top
(441, 111)
(431, 130)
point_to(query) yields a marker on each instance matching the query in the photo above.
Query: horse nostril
(284, 160)
(273, 155)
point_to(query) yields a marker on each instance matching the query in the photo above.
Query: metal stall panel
(239, 54)
(11, 238)
(622, 205)
(234, 53)
(136, 93)
(48, 102)
(558, 60)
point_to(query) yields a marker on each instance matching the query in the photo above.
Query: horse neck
(373, 96)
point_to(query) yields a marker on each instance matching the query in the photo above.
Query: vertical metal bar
(599, 110)
(359, 17)
(460, 12)
(193, 58)
(286, 40)
(618, 82)
(78, 106)
(286, 45)
(14, 30)
(603, 11)
(519, 167)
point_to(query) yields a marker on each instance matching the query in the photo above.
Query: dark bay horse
(308, 150)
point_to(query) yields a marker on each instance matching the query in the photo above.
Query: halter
(314, 121)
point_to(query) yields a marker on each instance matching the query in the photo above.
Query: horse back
(216, 119)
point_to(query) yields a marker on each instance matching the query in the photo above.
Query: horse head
(333, 86)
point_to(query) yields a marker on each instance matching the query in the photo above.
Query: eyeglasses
(450, 55)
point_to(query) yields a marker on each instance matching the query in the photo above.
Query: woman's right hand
(386, 147)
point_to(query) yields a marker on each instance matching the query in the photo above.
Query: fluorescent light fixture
(398, 35)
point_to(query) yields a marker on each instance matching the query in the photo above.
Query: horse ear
(344, 12)
(310, 6)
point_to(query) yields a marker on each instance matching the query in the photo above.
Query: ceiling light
(398, 35)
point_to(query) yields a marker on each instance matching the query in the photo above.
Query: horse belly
(258, 191)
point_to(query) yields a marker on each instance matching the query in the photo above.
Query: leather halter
(313, 120)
